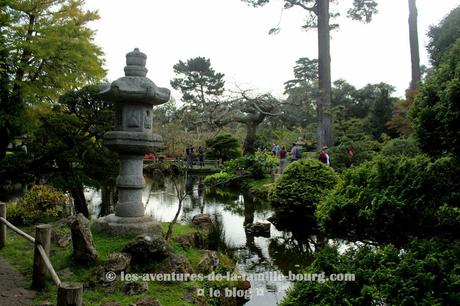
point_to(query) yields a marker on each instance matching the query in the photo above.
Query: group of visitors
(296, 154)
(190, 155)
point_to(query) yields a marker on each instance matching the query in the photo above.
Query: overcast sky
(235, 37)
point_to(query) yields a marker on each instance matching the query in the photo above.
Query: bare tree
(250, 111)
(177, 172)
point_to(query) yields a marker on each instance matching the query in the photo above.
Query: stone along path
(12, 290)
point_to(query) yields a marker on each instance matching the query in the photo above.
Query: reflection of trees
(249, 211)
(286, 252)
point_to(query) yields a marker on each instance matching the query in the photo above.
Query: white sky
(235, 37)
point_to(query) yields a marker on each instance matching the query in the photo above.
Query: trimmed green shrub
(363, 150)
(252, 166)
(223, 146)
(42, 203)
(242, 169)
(426, 273)
(221, 178)
(391, 198)
(302, 185)
(401, 147)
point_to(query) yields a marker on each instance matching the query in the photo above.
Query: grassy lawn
(19, 252)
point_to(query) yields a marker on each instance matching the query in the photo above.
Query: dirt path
(12, 292)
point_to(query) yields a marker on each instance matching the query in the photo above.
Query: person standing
(324, 156)
(283, 159)
(201, 156)
(295, 152)
(189, 154)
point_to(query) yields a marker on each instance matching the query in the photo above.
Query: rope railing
(68, 293)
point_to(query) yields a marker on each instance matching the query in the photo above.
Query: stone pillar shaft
(130, 183)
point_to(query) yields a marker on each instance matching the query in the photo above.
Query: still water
(265, 259)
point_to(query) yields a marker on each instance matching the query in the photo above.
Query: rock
(191, 296)
(145, 249)
(203, 221)
(175, 264)
(194, 240)
(134, 288)
(148, 301)
(117, 262)
(111, 304)
(258, 229)
(208, 263)
(244, 285)
(82, 240)
(60, 235)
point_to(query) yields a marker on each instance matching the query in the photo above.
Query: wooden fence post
(70, 294)
(42, 237)
(2, 225)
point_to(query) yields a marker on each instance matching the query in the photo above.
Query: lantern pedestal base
(128, 226)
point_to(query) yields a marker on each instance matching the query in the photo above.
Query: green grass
(19, 252)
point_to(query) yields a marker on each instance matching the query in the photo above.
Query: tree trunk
(250, 140)
(4, 141)
(76, 188)
(107, 203)
(414, 50)
(325, 136)
(79, 201)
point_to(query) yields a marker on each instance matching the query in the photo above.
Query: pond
(264, 259)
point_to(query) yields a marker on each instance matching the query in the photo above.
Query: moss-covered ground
(19, 252)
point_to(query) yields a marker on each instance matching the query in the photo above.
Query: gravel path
(12, 292)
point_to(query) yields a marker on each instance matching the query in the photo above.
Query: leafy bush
(252, 166)
(40, 204)
(221, 178)
(401, 147)
(363, 150)
(391, 198)
(426, 273)
(223, 146)
(435, 112)
(302, 185)
(243, 168)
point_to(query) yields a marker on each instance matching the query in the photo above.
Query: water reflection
(280, 253)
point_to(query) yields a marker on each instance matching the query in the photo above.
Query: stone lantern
(134, 95)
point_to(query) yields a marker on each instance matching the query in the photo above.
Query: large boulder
(208, 262)
(60, 235)
(117, 262)
(174, 264)
(135, 288)
(192, 240)
(203, 221)
(148, 301)
(145, 249)
(82, 240)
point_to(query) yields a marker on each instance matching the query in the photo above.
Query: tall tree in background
(45, 50)
(201, 88)
(299, 108)
(414, 51)
(318, 17)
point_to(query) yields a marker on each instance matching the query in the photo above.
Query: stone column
(134, 96)
(130, 184)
